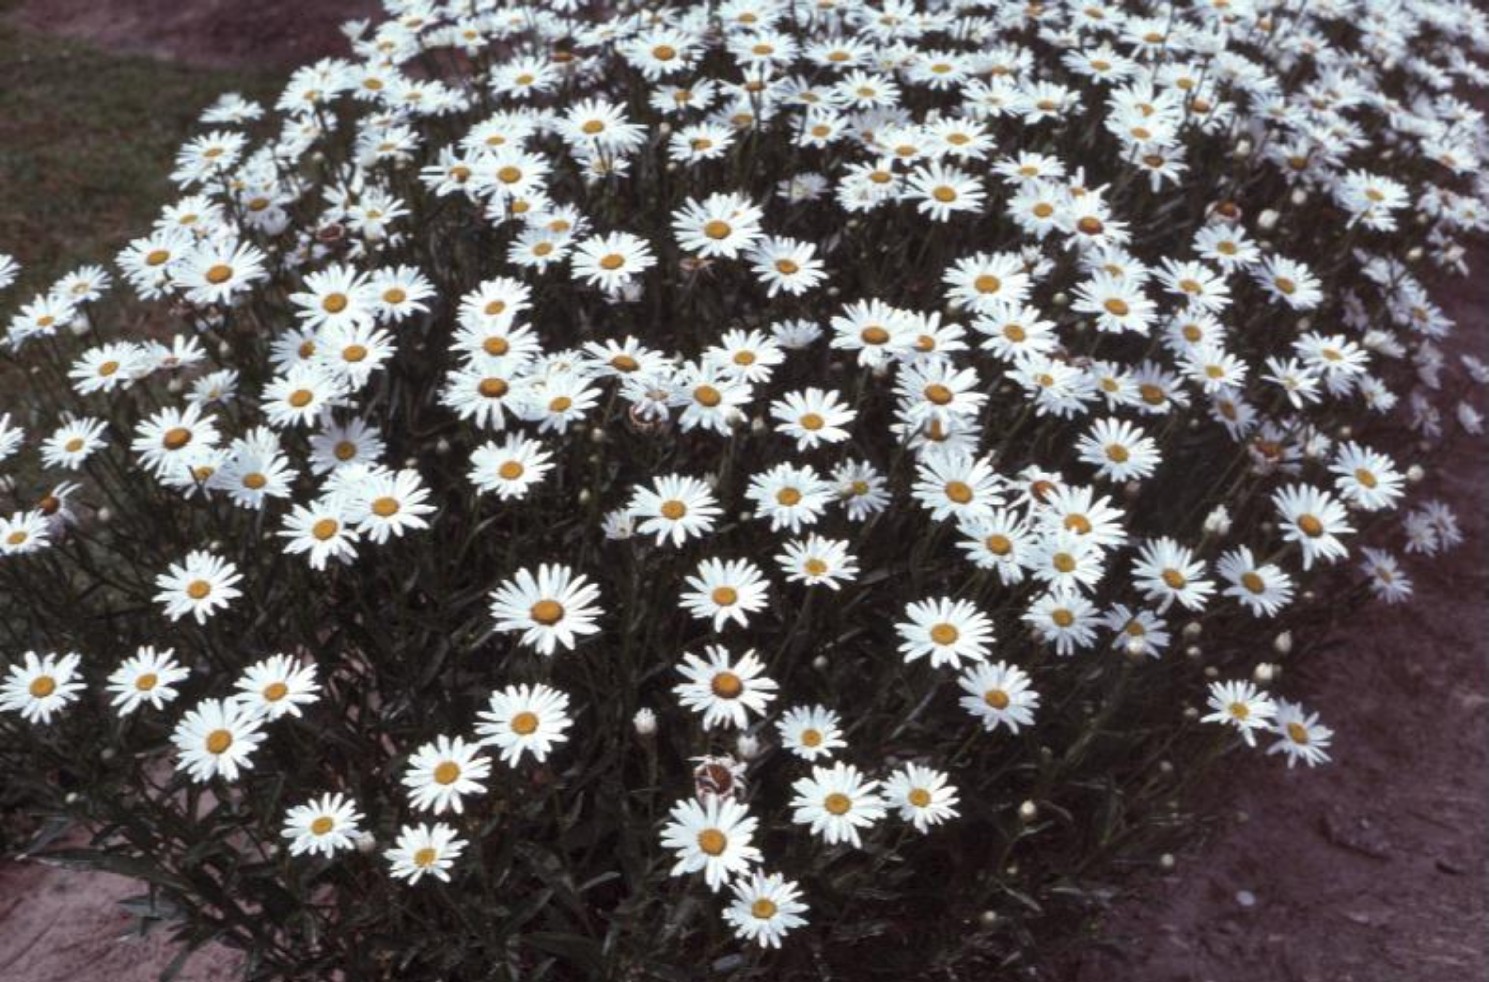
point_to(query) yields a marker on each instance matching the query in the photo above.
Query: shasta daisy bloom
(24, 532)
(941, 191)
(334, 297)
(988, 282)
(441, 771)
(509, 469)
(255, 470)
(1118, 450)
(1065, 559)
(1241, 705)
(725, 590)
(217, 737)
(1118, 304)
(999, 541)
(165, 438)
(107, 367)
(217, 270)
(712, 836)
(40, 686)
(400, 292)
(836, 802)
(765, 908)
(786, 265)
(1137, 631)
(73, 442)
(1366, 479)
(947, 630)
(321, 529)
(816, 561)
(389, 503)
(1370, 199)
(921, 795)
(811, 417)
(874, 329)
(302, 394)
(1064, 618)
(1167, 572)
(1262, 588)
(1290, 282)
(725, 691)
(524, 719)
(425, 849)
(710, 395)
(550, 609)
(953, 484)
(998, 695)
(1387, 581)
(611, 261)
(350, 352)
(748, 356)
(147, 676)
(675, 507)
(324, 825)
(278, 686)
(1302, 736)
(790, 496)
(723, 225)
(810, 732)
(1314, 521)
(200, 586)
(936, 393)
(1200, 288)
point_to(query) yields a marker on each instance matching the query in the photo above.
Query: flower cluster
(835, 419)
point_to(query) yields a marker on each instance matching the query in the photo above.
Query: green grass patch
(87, 140)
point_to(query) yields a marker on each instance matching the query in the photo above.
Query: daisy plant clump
(779, 490)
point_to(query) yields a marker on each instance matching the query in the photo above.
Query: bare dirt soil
(1370, 870)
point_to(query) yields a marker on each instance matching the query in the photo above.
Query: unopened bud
(1299, 196)
(1283, 643)
(1267, 220)
(1262, 674)
(746, 746)
(366, 842)
(1243, 149)
(1028, 812)
(1166, 861)
(645, 722)
(1415, 473)
(1193, 630)
(820, 663)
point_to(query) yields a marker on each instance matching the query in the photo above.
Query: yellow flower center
(919, 797)
(837, 803)
(524, 723)
(325, 529)
(42, 686)
(219, 274)
(1297, 732)
(175, 438)
(763, 909)
(673, 510)
(724, 596)
(198, 589)
(510, 470)
(322, 825)
(708, 396)
(300, 398)
(939, 394)
(547, 612)
(959, 492)
(218, 741)
(492, 388)
(447, 772)
(1310, 526)
(945, 634)
(713, 842)
(727, 685)
(275, 691)
(334, 303)
(426, 857)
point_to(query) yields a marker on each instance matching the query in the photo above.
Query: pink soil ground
(1372, 870)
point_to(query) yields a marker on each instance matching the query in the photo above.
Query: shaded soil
(1370, 870)
(218, 33)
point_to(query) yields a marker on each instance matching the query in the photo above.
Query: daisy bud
(988, 918)
(1263, 673)
(1283, 643)
(1422, 218)
(366, 843)
(7, 484)
(1193, 651)
(1192, 630)
(1060, 299)
(585, 496)
(175, 386)
(820, 663)
(1218, 522)
(1414, 254)
(1191, 714)
(1345, 432)
(1414, 473)
(107, 754)
(104, 515)
(597, 434)
(71, 798)
(1299, 196)
(1267, 220)
(1028, 812)
(1243, 149)
(79, 326)
(758, 425)
(746, 746)
(441, 447)
(1136, 650)
(1309, 596)
(645, 722)
(1166, 861)
(1211, 672)
(664, 128)
(1165, 767)
(1305, 323)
